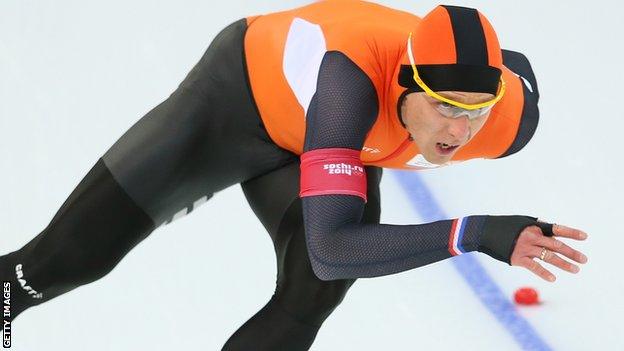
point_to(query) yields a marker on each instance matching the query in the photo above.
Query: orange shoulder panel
(371, 35)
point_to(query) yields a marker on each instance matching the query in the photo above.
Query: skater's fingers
(555, 260)
(567, 232)
(560, 247)
(537, 268)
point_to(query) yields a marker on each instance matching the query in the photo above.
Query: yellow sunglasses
(433, 94)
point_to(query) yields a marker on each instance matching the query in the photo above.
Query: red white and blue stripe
(457, 234)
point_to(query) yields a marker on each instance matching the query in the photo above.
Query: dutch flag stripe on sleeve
(455, 238)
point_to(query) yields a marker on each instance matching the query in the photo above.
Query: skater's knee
(313, 303)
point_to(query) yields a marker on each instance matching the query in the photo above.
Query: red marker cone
(526, 296)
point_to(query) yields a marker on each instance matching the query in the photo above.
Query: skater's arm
(341, 114)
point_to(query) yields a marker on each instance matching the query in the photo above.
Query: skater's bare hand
(531, 243)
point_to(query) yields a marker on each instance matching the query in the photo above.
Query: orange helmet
(455, 49)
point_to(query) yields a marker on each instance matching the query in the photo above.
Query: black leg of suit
(301, 302)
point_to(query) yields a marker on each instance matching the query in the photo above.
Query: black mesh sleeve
(341, 113)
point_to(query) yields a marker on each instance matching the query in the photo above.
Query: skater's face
(430, 129)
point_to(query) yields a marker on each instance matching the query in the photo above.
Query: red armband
(334, 171)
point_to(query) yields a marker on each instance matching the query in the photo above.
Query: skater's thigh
(205, 137)
(181, 153)
(163, 160)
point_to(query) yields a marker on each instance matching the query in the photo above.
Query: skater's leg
(105, 216)
(95, 227)
(102, 220)
(301, 302)
(205, 137)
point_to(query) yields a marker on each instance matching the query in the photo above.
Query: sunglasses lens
(451, 111)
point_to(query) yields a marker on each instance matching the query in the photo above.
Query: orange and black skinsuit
(324, 82)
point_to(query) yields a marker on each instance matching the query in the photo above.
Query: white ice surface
(74, 75)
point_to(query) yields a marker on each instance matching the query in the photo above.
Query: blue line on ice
(488, 292)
